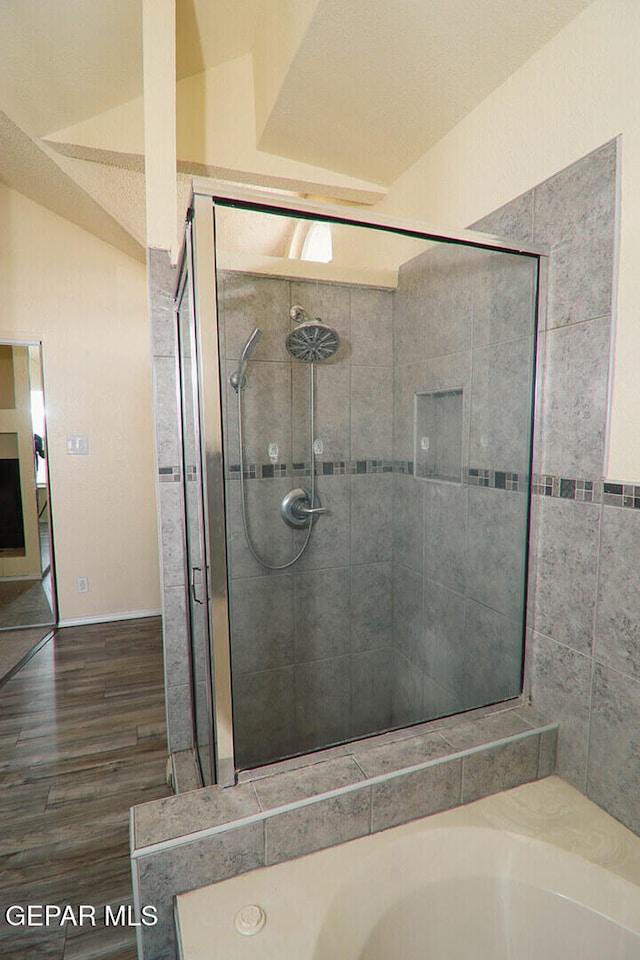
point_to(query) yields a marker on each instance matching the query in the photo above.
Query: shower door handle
(193, 583)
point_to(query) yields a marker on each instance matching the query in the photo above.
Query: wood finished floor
(16, 647)
(82, 739)
(25, 603)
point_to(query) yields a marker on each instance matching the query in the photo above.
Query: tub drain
(250, 920)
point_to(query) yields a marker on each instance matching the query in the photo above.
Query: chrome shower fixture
(298, 314)
(238, 379)
(296, 509)
(312, 340)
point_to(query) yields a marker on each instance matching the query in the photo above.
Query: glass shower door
(399, 595)
(196, 549)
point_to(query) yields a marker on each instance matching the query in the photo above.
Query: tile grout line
(592, 677)
(228, 826)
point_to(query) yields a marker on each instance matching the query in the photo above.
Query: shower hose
(243, 497)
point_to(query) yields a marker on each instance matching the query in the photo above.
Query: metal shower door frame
(188, 401)
(208, 367)
(205, 193)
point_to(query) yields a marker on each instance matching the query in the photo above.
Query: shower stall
(357, 419)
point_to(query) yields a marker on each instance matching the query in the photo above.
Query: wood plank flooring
(17, 646)
(82, 739)
(26, 603)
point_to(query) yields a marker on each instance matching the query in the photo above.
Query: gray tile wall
(463, 320)
(161, 283)
(311, 643)
(584, 643)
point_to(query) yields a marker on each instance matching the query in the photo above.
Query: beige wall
(87, 302)
(575, 94)
(7, 389)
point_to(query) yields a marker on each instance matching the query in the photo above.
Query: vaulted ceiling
(362, 88)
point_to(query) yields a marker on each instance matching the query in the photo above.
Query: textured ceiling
(29, 168)
(375, 83)
(370, 85)
(210, 32)
(62, 61)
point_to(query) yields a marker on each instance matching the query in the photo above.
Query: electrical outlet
(78, 443)
(83, 584)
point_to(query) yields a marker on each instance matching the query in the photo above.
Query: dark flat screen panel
(11, 525)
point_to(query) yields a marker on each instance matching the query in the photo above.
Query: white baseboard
(28, 576)
(109, 617)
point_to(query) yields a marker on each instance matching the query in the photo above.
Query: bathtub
(536, 872)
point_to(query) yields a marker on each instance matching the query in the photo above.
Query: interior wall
(583, 644)
(87, 302)
(576, 93)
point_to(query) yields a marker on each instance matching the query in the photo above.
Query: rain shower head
(313, 341)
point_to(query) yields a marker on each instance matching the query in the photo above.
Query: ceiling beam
(135, 163)
(31, 169)
(159, 71)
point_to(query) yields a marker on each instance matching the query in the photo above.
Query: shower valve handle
(296, 509)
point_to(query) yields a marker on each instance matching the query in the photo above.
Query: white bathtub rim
(481, 852)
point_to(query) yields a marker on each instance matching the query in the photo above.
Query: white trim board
(108, 617)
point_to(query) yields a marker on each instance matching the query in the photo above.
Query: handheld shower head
(237, 379)
(250, 346)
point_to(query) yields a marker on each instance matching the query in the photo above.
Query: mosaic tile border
(566, 488)
(608, 492)
(621, 495)
(498, 479)
(326, 468)
(169, 474)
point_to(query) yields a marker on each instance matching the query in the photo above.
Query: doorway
(28, 608)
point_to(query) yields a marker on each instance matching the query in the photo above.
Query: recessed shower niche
(438, 435)
(390, 600)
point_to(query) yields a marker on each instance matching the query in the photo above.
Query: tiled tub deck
(287, 810)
